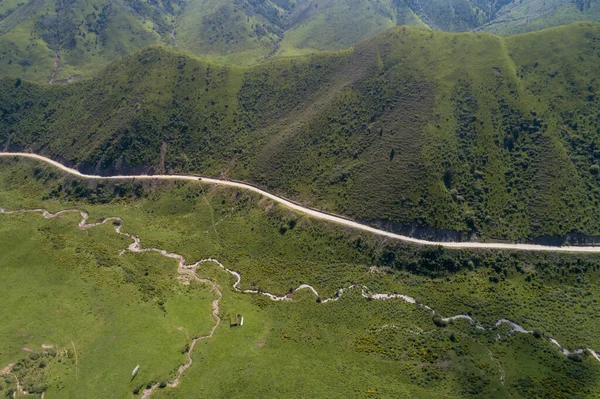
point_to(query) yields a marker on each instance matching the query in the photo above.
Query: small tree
(438, 321)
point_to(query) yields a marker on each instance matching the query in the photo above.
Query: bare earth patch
(6, 369)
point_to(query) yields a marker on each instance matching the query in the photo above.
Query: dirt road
(313, 212)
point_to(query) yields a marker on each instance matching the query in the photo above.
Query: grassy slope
(89, 34)
(387, 348)
(455, 15)
(452, 131)
(336, 24)
(229, 31)
(535, 15)
(65, 288)
(93, 33)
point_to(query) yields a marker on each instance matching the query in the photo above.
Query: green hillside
(492, 137)
(85, 35)
(335, 24)
(66, 40)
(231, 31)
(519, 17)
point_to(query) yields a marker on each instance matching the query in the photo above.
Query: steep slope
(56, 39)
(65, 40)
(231, 31)
(472, 134)
(519, 17)
(335, 24)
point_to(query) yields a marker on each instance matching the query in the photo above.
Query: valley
(63, 40)
(299, 198)
(294, 323)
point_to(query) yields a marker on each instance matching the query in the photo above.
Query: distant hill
(86, 34)
(65, 40)
(526, 16)
(496, 137)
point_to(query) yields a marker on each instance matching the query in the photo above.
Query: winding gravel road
(312, 212)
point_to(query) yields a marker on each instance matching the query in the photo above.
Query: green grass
(536, 15)
(227, 33)
(93, 32)
(64, 287)
(329, 28)
(352, 347)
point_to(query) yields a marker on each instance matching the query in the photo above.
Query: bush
(438, 321)
(162, 384)
(38, 389)
(538, 334)
(576, 357)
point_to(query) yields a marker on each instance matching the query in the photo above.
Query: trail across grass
(488, 327)
(189, 272)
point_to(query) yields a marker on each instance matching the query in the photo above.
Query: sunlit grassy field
(71, 289)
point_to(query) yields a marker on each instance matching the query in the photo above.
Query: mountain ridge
(65, 40)
(396, 129)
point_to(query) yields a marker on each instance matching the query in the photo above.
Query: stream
(188, 272)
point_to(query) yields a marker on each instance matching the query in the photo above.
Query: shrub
(576, 357)
(438, 321)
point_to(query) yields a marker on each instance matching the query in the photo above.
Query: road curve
(313, 212)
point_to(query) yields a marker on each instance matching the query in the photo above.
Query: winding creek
(188, 272)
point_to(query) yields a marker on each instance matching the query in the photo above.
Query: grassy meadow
(70, 289)
(78, 317)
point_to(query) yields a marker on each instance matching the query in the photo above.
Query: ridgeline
(465, 134)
